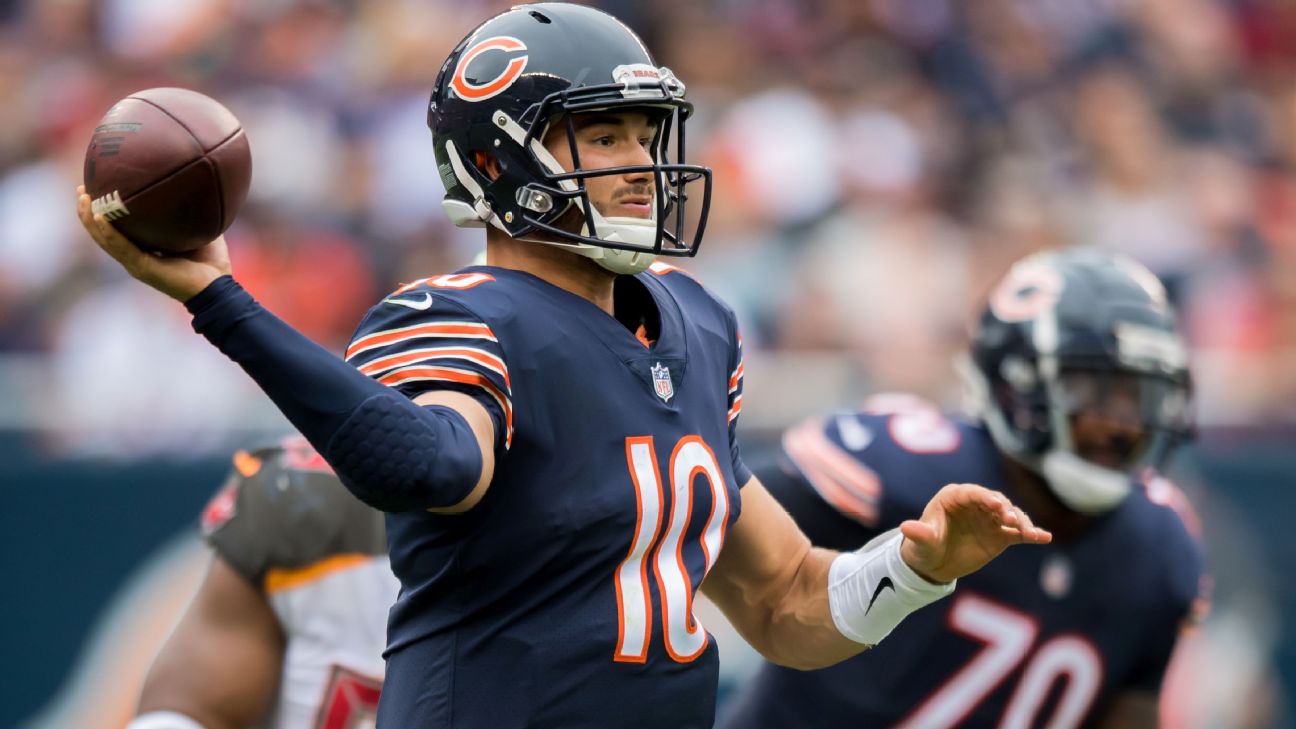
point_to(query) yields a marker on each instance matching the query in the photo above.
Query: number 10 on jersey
(663, 550)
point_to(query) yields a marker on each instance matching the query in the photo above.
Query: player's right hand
(178, 275)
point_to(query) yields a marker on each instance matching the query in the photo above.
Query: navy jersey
(1045, 636)
(564, 597)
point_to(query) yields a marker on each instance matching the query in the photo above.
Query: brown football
(169, 167)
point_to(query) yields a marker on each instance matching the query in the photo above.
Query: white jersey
(286, 523)
(336, 626)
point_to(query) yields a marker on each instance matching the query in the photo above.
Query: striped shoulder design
(417, 341)
(736, 385)
(841, 479)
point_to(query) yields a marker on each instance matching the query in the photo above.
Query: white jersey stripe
(735, 408)
(735, 380)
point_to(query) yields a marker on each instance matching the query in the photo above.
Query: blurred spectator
(1136, 202)
(316, 279)
(872, 156)
(877, 162)
(129, 379)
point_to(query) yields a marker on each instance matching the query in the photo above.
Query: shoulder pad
(283, 508)
(694, 301)
(881, 465)
(1163, 492)
(424, 299)
(674, 275)
(660, 268)
(433, 335)
(455, 281)
(1176, 532)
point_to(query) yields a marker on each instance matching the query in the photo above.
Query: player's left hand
(964, 527)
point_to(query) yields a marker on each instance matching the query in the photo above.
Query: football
(169, 168)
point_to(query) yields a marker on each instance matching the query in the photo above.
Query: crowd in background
(878, 163)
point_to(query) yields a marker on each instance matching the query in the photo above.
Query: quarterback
(552, 435)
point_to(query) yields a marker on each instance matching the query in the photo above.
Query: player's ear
(487, 163)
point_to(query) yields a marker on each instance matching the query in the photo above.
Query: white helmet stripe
(479, 206)
(518, 135)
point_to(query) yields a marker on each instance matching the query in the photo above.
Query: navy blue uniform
(1045, 636)
(563, 598)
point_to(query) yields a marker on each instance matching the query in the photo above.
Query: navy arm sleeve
(391, 453)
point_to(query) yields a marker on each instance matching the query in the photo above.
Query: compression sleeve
(391, 453)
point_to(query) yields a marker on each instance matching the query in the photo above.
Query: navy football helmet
(519, 73)
(1066, 334)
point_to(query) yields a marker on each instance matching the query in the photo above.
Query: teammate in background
(1082, 390)
(543, 431)
(287, 628)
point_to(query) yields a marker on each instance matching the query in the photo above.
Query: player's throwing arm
(340, 411)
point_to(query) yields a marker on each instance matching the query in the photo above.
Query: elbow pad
(872, 589)
(390, 452)
(398, 456)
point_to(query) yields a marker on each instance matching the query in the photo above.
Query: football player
(552, 435)
(1082, 390)
(288, 625)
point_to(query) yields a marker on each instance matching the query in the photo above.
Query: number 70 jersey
(564, 598)
(1047, 636)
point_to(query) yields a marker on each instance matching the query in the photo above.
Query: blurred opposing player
(553, 435)
(1083, 390)
(287, 628)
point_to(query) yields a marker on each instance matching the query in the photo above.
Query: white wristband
(871, 589)
(164, 720)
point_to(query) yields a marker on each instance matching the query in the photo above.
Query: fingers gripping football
(179, 275)
(963, 527)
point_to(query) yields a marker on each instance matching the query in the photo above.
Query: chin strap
(619, 261)
(613, 259)
(1083, 486)
(629, 231)
(632, 231)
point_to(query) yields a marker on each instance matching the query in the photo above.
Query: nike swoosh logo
(883, 584)
(854, 435)
(414, 304)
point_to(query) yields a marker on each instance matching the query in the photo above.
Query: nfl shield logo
(1055, 577)
(662, 382)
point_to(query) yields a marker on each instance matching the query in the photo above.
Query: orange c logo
(1030, 288)
(469, 91)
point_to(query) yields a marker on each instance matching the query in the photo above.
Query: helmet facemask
(1088, 424)
(1108, 427)
(535, 198)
